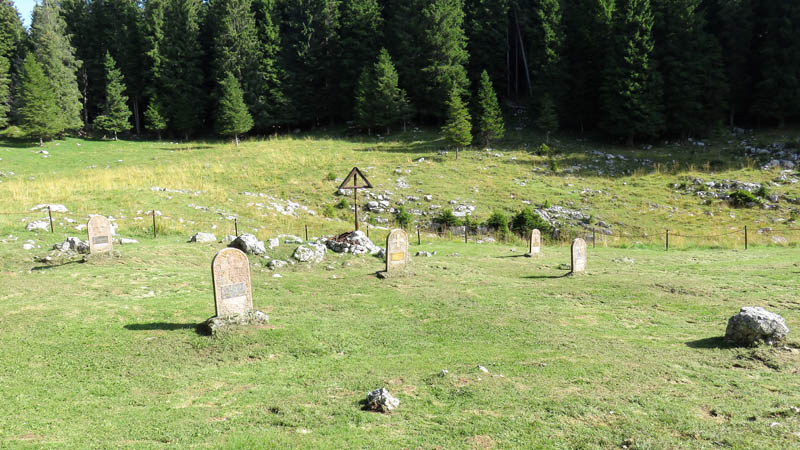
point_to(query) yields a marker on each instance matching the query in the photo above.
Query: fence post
(466, 231)
(154, 224)
(50, 214)
(419, 241)
(745, 237)
(667, 249)
(306, 232)
(236, 226)
(594, 237)
(367, 230)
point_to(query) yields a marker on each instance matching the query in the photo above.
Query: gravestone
(230, 271)
(535, 245)
(578, 255)
(396, 250)
(100, 236)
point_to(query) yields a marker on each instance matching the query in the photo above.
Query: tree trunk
(236, 139)
(731, 117)
(41, 142)
(629, 140)
(115, 135)
(136, 115)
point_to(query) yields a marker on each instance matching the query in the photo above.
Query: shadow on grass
(53, 266)
(512, 256)
(191, 148)
(546, 277)
(712, 342)
(165, 326)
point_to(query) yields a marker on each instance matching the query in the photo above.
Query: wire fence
(154, 224)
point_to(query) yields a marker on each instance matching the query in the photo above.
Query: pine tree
(631, 90)
(390, 103)
(117, 114)
(38, 110)
(5, 91)
(778, 54)
(12, 34)
(690, 63)
(270, 102)
(362, 105)
(486, 26)
(233, 118)
(56, 56)
(360, 37)
(445, 46)
(457, 130)
(154, 117)
(490, 118)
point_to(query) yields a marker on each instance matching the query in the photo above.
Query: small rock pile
(355, 242)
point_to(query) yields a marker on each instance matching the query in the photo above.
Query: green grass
(105, 353)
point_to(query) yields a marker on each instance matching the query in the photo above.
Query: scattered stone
(72, 244)
(203, 237)
(28, 246)
(249, 244)
(217, 325)
(578, 251)
(127, 241)
(53, 208)
(355, 242)
(277, 275)
(100, 234)
(443, 373)
(754, 324)
(274, 242)
(313, 253)
(381, 400)
(483, 369)
(277, 264)
(38, 225)
(424, 254)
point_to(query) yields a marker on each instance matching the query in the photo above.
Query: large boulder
(72, 244)
(355, 242)
(203, 237)
(314, 253)
(754, 324)
(381, 400)
(249, 244)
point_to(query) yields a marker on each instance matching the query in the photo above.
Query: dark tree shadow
(512, 256)
(53, 266)
(165, 326)
(712, 342)
(546, 277)
(193, 148)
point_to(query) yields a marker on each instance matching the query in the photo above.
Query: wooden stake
(154, 224)
(50, 214)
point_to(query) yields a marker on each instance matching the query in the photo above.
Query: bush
(498, 222)
(546, 204)
(741, 198)
(553, 165)
(404, 218)
(762, 192)
(331, 176)
(526, 220)
(447, 218)
(328, 211)
(543, 150)
(343, 204)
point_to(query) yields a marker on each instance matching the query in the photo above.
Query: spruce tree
(362, 104)
(12, 33)
(486, 25)
(390, 103)
(233, 118)
(117, 114)
(154, 118)
(270, 102)
(631, 90)
(56, 56)
(5, 91)
(360, 37)
(445, 49)
(490, 118)
(457, 130)
(38, 108)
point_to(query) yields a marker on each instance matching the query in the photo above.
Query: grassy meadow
(105, 354)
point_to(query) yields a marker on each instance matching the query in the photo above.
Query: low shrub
(403, 217)
(742, 198)
(526, 220)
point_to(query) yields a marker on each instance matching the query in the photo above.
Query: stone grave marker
(396, 250)
(230, 271)
(578, 256)
(535, 244)
(100, 235)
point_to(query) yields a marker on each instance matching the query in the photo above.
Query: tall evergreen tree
(690, 63)
(458, 129)
(54, 53)
(233, 118)
(38, 105)
(154, 118)
(116, 117)
(587, 25)
(778, 57)
(310, 56)
(404, 31)
(379, 102)
(270, 98)
(12, 34)
(631, 90)
(445, 48)
(180, 73)
(490, 118)
(360, 37)
(5, 91)
(486, 26)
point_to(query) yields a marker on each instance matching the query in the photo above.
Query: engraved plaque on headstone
(536, 242)
(396, 250)
(100, 239)
(230, 271)
(578, 255)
